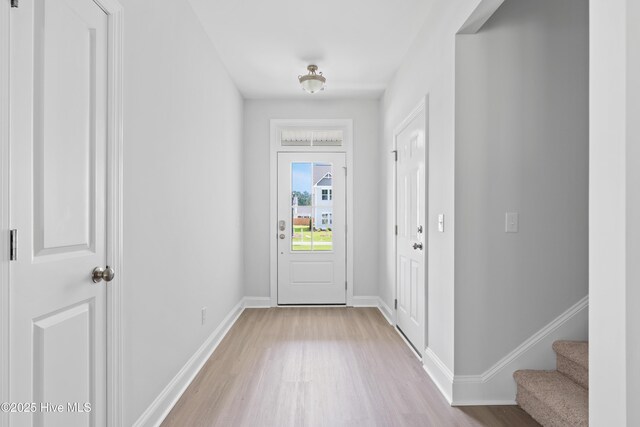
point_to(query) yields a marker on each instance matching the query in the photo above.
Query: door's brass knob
(99, 274)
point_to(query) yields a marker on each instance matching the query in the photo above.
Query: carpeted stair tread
(575, 351)
(552, 399)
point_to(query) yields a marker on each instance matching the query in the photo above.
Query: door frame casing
(421, 108)
(114, 381)
(276, 126)
(5, 52)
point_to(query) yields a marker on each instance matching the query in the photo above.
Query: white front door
(411, 244)
(311, 228)
(59, 66)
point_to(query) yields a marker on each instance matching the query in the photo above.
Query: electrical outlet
(204, 315)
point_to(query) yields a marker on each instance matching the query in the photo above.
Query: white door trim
(114, 214)
(276, 125)
(5, 10)
(421, 108)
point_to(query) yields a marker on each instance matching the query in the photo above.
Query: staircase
(558, 398)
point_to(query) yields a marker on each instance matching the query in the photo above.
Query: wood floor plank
(321, 367)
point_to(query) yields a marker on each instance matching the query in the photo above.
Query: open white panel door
(59, 83)
(411, 244)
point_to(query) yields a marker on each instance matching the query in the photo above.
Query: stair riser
(577, 373)
(538, 410)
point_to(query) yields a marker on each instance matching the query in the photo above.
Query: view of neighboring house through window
(311, 207)
(327, 218)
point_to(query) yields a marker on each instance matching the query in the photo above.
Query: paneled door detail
(311, 228)
(410, 213)
(59, 83)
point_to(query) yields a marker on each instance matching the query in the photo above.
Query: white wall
(522, 145)
(257, 116)
(633, 212)
(614, 357)
(183, 194)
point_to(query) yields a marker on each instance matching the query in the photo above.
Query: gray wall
(257, 116)
(521, 146)
(182, 222)
(428, 68)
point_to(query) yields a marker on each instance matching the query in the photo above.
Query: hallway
(465, 171)
(321, 367)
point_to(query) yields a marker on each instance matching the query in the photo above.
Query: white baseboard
(439, 373)
(496, 386)
(159, 409)
(257, 302)
(363, 301)
(386, 311)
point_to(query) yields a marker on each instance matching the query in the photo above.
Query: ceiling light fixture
(312, 82)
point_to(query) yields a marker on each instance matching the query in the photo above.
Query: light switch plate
(441, 223)
(511, 222)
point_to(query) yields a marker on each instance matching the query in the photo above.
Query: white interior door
(58, 206)
(411, 244)
(311, 228)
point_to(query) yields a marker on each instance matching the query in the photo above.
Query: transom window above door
(311, 138)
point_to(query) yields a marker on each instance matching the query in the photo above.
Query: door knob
(99, 274)
(417, 246)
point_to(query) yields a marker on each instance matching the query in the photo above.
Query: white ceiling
(266, 44)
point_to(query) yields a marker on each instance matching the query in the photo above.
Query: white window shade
(311, 138)
(300, 138)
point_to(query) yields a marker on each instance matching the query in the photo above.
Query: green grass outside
(303, 236)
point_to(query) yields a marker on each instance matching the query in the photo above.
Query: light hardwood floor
(321, 367)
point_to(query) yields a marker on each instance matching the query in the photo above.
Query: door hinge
(345, 285)
(395, 303)
(396, 230)
(13, 245)
(14, 3)
(395, 155)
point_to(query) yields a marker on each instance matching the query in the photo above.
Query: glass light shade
(312, 84)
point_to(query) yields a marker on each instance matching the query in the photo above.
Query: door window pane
(311, 207)
(323, 228)
(301, 234)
